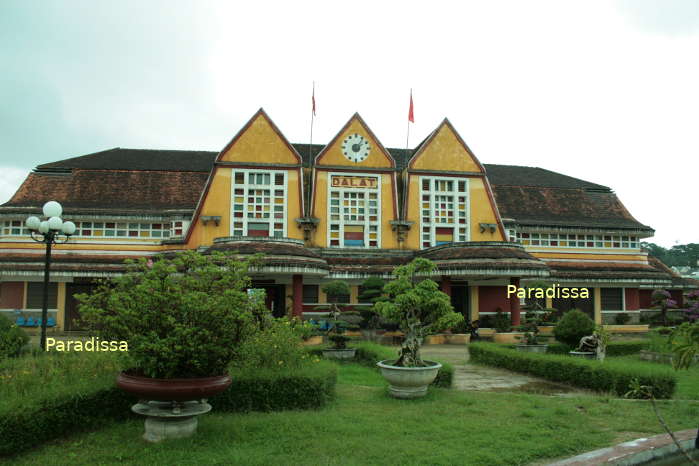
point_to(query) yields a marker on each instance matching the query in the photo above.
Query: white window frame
(366, 222)
(271, 221)
(455, 193)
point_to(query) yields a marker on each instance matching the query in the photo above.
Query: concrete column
(514, 304)
(473, 296)
(297, 281)
(598, 305)
(445, 285)
(61, 306)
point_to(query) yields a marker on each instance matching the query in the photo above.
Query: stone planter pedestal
(583, 354)
(169, 419)
(457, 338)
(314, 340)
(532, 348)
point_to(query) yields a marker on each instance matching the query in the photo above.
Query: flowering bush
(692, 311)
(661, 299)
(182, 316)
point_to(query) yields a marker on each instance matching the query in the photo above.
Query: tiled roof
(113, 189)
(174, 179)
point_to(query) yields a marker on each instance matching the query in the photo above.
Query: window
(573, 240)
(443, 210)
(354, 211)
(340, 299)
(131, 230)
(35, 295)
(310, 294)
(612, 299)
(14, 228)
(259, 203)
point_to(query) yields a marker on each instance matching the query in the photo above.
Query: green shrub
(306, 387)
(614, 348)
(659, 340)
(275, 347)
(608, 376)
(574, 325)
(12, 338)
(502, 322)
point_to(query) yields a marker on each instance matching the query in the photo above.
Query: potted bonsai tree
(339, 349)
(183, 318)
(420, 309)
(503, 328)
(529, 342)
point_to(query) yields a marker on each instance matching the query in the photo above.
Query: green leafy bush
(182, 316)
(608, 376)
(277, 346)
(574, 325)
(12, 338)
(502, 322)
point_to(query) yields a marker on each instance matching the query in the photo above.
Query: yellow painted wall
(473, 296)
(445, 152)
(354, 294)
(597, 298)
(584, 254)
(320, 237)
(259, 143)
(218, 202)
(481, 211)
(333, 155)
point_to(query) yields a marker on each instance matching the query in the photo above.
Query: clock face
(355, 148)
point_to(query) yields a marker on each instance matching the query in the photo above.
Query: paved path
(469, 376)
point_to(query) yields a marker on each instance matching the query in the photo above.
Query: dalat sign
(354, 182)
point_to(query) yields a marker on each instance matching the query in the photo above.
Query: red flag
(313, 101)
(411, 117)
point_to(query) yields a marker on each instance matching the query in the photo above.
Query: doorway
(460, 300)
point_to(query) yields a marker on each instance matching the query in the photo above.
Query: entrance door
(72, 318)
(460, 300)
(275, 300)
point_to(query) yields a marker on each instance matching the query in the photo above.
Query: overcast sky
(606, 91)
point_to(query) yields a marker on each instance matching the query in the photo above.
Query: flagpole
(407, 137)
(313, 113)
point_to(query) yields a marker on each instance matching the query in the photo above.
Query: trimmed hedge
(45, 403)
(309, 387)
(368, 354)
(607, 376)
(618, 348)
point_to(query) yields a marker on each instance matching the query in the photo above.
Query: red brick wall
(11, 295)
(644, 299)
(632, 299)
(492, 297)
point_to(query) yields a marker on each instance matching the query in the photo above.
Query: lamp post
(48, 232)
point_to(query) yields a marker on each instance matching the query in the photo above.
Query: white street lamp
(48, 232)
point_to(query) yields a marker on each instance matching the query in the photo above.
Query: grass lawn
(364, 426)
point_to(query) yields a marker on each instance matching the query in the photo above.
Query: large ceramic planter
(314, 340)
(508, 337)
(546, 329)
(408, 382)
(532, 348)
(345, 353)
(146, 388)
(457, 338)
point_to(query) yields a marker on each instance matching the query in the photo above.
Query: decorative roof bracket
(488, 226)
(401, 227)
(211, 218)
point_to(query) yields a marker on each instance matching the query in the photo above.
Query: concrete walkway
(469, 376)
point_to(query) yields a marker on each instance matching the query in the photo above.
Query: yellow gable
(355, 146)
(445, 150)
(259, 141)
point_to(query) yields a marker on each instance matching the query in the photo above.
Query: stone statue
(593, 344)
